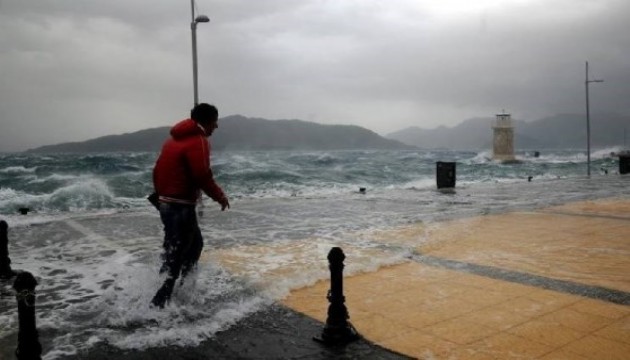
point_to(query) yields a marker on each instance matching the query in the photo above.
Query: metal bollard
(28, 346)
(5, 261)
(338, 330)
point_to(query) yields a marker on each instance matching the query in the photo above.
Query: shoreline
(376, 248)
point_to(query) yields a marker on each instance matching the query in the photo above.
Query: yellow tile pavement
(430, 312)
(574, 248)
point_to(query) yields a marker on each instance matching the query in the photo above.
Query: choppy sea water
(67, 183)
(93, 241)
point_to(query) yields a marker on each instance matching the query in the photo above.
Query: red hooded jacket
(183, 167)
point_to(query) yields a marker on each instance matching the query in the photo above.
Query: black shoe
(163, 296)
(159, 300)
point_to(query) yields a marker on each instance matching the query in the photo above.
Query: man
(181, 171)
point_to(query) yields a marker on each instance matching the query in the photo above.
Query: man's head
(207, 116)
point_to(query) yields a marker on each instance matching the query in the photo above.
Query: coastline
(395, 262)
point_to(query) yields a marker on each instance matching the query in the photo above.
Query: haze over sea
(93, 241)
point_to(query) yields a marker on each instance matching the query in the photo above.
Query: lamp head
(202, 18)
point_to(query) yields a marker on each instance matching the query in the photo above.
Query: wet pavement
(456, 277)
(549, 284)
(275, 333)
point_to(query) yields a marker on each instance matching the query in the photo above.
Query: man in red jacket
(182, 170)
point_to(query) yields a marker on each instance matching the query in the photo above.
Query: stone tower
(503, 147)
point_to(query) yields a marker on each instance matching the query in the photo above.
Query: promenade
(548, 284)
(534, 283)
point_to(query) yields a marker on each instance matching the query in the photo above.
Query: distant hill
(241, 133)
(144, 140)
(558, 131)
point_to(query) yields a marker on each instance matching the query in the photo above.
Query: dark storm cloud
(73, 70)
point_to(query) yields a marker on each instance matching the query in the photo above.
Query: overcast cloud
(74, 70)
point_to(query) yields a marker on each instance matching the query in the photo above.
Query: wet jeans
(182, 246)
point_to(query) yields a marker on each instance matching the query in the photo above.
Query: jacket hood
(186, 128)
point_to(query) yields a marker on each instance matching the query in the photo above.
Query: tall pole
(588, 123)
(193, 28)
(588, 126)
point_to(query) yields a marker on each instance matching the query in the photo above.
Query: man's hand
(225, 204)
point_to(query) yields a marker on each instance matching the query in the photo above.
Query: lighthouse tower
(503, 147)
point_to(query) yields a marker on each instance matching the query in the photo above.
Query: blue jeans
(182, 246)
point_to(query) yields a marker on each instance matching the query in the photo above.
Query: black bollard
(5, 261)
(338, 330)
(28, 347)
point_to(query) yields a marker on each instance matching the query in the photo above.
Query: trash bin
(624, 164)
(445, 174)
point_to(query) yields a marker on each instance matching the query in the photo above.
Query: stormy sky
(75, 70)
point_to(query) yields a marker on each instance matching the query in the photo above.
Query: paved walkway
(550, 284)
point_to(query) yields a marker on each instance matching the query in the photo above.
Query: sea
(93, 241)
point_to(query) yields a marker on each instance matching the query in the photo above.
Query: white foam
(424, 183)
(606, 152)
(16, 220)
(87, 193)
(7, 193)
(55, 177)
(121, 286)
(482, 157)
(17, 170)
(121, 315)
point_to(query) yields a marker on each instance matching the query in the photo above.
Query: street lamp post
(588, 123)
(193, 28)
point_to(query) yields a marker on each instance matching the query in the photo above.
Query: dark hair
(204, 113)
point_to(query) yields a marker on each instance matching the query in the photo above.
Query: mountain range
(241, 133)
(558, 131)
(237, 132)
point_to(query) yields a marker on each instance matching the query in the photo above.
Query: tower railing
(502, 121)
